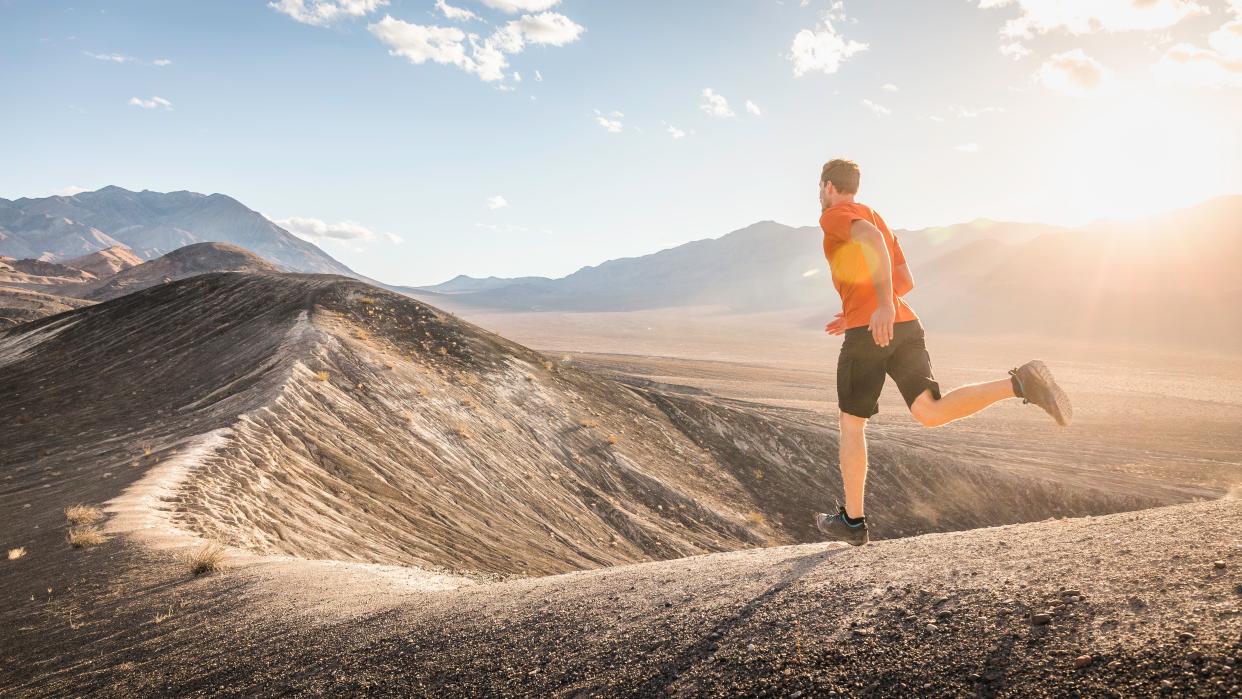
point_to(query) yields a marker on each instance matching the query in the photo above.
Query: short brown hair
(843, 174)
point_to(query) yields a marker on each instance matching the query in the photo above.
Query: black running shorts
(863, 364)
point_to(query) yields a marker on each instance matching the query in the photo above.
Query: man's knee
(852, 423)
(926, 410)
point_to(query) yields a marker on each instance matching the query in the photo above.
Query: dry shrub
(85, 537)
(613, 439)
(207, 559)
(321, 376)
(442, 351)
(366, 301)
(17, 553)
(547, 365)
(83, 514)
(463, 431)
(756, 518)
(163, 616)
(588, 423)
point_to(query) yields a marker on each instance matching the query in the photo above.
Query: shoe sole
(1063, 411)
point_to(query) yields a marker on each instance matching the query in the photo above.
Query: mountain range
(149, 224)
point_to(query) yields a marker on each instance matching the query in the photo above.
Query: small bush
(588, 423)
(85, 537)
(207, 559)
(756, 518)
(613, 439)
(366, 301)
(17, 553)
(83, 514)
(463, 432)
(321, 376)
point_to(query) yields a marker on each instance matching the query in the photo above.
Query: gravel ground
(1133, 604)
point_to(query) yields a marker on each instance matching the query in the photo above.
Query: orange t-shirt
(851, 273)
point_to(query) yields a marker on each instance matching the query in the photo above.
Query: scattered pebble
(1040, 619)
(1219, 564)
(1082, 661)
(932, 628)
(1185, 637)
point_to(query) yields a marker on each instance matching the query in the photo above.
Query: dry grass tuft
(163, 616)
(207, 559)
(442, 351)
(756, 518)
(463, 431)
(366, 301)
(85, 537)
(17, 553)
(588, 423)
(321, 376)
(548, 365)
(83, 514)
(613, 439)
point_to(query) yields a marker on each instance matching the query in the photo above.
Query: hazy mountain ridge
(151, 224)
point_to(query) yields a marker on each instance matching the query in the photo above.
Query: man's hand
(837, 325)
(881, 325)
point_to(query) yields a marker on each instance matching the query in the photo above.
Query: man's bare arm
(881, 264)
(903, 281)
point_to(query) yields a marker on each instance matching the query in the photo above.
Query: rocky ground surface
(445, 478)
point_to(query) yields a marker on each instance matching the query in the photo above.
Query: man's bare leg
(956, 404)
(853, 462)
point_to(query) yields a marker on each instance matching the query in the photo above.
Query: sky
(415, 140)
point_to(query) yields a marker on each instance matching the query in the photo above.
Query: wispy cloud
(715, 105)
(823, 48)
(889, 87)
(321, 13)
(610, 122)
(968, 148)
(486, 58)
(152, 103)
(878, 109)
(515, 6)
(675, 132)
(315, 230)
(110, 57)
(161, 62)
(753, 108)
(1217, 66)
(1072, 73)
(497, 202)
(456, 14)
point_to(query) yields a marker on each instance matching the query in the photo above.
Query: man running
(883, 336)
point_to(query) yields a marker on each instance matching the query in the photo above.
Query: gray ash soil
(552, 525)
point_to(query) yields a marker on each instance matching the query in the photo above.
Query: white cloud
(486, 57)
(161, 62)
(1218, 66)
(110, 57)
(502, 228)
(549, 29)
(456, 14)
(496, 202)
(150, 103)
(538, 77)
(971, 112)
(321, 13)
(515, 6)
(968, 148)
(609, 125)
(715, 105)
(889, 87)
(394, 238)
(1015, 50)
(823, 49)
(1092, 16)
(71, 190)
(753, 108)
(675, 132)
(1073, 73)
(879, 109)
(517, 77)
(315, 230)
